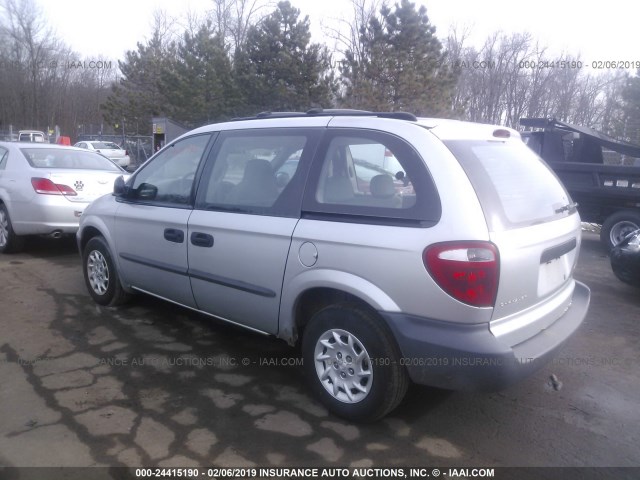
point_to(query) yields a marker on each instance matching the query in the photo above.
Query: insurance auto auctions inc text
(353, 472)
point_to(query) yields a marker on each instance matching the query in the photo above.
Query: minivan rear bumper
(470, 357)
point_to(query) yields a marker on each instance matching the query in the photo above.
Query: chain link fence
(139, 147)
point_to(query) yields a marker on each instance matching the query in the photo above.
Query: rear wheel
(353, 363)
(617, 226)
(9, 241)
(100, 274)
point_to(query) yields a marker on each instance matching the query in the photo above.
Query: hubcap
(4, 228)
(620, 230)
(343, 366)
(98, 272)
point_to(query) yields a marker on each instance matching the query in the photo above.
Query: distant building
(165, 131)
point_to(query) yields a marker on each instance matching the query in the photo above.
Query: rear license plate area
(556, 264)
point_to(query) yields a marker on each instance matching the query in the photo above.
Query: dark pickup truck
(601, 174)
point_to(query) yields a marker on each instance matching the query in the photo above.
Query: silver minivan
(450, 265)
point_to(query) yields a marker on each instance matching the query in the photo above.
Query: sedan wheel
(4, 229)
(9, 241)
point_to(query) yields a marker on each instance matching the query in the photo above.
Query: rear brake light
(45, 186)
(468, 271)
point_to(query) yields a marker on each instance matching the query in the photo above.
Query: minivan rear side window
(511, 182)
(371, 176)
(353, 174)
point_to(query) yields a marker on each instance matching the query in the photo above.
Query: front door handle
(174, 235)
(200, 239)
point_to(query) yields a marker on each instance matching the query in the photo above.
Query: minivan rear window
(515, 187)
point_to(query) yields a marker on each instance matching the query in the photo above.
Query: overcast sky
(105, 30)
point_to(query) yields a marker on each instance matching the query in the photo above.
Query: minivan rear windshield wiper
(569, 207)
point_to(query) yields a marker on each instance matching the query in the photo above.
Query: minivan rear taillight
(468, 271)
(45, 186)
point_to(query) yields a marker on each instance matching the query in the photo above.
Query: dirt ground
(154, 384)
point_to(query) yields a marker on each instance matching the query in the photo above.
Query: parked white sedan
(45, 188)
(109, 150)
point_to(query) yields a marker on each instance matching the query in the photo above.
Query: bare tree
(164, 27)
(511, 77)
(455, 47)
(233, 18)
(43, 83)
(347, 32)
(32, 45)
(612, 116)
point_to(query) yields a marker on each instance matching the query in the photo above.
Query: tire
(101, 275)
(9, 241)
(382, 382)
(625, 264)
(617, 226)
(627, 275)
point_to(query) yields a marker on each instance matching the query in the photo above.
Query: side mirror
(119, 187)
(146, 191)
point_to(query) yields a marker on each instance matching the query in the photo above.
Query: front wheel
(100, 274)
(353, 363)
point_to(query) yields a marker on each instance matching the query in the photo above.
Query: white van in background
(33, 136)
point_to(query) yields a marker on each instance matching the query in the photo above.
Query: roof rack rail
(332, 112)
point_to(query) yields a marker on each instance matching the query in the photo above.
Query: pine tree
(199, 85)
(279, 69)
(140, 95)
(400, 66)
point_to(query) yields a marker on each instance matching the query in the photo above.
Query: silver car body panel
(246, 291)
(377, 268)
(533, 293)
(146, 258)
(201, 311)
